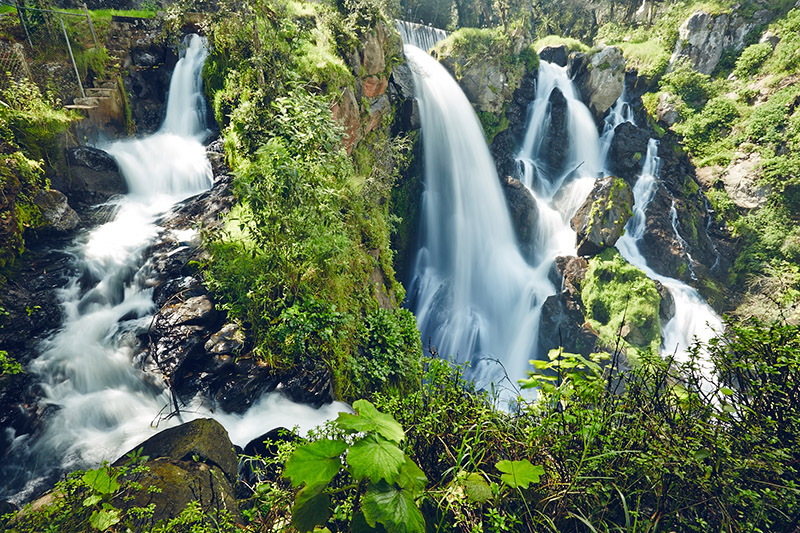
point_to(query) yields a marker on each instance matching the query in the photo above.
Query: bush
(693, 87)
(751, 59)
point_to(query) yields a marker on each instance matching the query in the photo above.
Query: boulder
(312, 384)
(229, 340)
(346, 112)
(600, 221)
(556, 142)
(627, 152)
(667, 110)
(403, 79)
(57, 215)
(555, 54)
(666, 310)
(601, 79)
(741, 181)
(703, 37)
(524, 213)
(372, 56)
(93, 175)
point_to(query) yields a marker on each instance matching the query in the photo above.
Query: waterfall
(475, 297)
(619, 113)
(419, 35)
(694, 318)
(100, 403)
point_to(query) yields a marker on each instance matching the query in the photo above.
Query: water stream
(100, 402)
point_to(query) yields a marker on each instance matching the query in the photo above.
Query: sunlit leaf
(100, 481)
(315, 463)
(375, 458)
(369, 419)
(519, 473)
(104, 519)
(476, 488)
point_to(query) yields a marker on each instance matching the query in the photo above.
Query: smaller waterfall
(694, 319)
(419, 35)
(621, 112)
(473, 294)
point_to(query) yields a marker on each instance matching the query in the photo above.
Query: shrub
(751, 59)
(692, 86)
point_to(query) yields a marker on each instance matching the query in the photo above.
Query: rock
(229, 340)
(215, 151)
(196, 311)
(555, 54)
(703, 37)
(403, 79)
(374, 86)
(312, 385)
(378, 108)
(524, 213)
(627, 152)
(409, 115)
(346, 112)
(770, 37)
(556, 142)
(563, 322)
(603, 83)
(666, 310)
(372, 57)
(93, 175)
(504, 150)
(600, 221)
(56, 213)
(741, 181)
(667, 111)
(255, 470)
(203, 440)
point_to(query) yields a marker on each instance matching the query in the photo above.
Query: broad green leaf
(702, 453)
(91, 500)
(393, 507)
(369, 419)
(312, 507)
(519, 473)
(375, 458)
(411, 477)
(99, 481)
(476, 488)
(315, 463)
(359, 525)
(726, 391)
(104, 519)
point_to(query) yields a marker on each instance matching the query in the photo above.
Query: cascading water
(619, 113)
(694, 318)
(474, 296)
(419, 35)
(101, 404)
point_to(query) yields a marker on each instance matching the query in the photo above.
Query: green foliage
(8, 366)
(492, 124)
(573, 45)
(617, 297)
(707, 133)
(693, 87)
(751, 59)
(392, 481)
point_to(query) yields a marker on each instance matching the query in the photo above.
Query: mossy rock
(621, 301)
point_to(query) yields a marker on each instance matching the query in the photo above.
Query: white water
(621, 112)
(694, 319)
(474, 296)
(421, 36)
(102, 403)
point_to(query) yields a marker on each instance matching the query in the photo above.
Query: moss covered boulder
(620, 301)
(600, 221)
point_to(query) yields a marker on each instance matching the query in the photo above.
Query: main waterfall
(475, 297)
(100, 402)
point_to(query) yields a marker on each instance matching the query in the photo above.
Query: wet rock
(256, 470)
(403, 79)
(666, 310)
(602, 85)
(56, 213)
(93, 176)
(627, 152)
(555, 54)
(312, 385)
(659, 245)
(556, 141)
(228, 340)
(563, 323)
(215, 152)
(600, 221)
(524, 213)
(504, 150)
(191, 462)
(196, 311)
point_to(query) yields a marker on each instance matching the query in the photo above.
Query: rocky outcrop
(600, 221)
(524, 213)
(627, 152)
(703, 37)
(601, 79)
(557, 55)
(563, 323)
(56, 213)
(556, 141)
(741, 181)
(92, 176)
(505, 145)
(191, 462)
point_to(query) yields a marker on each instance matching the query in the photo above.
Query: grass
(573, 45)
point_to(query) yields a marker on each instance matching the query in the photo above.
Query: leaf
(369, 419)
(411, 477)
(476, 488)
(312, 507)
(726, 391)
(702, 453)
(519, 473)
(99, 481)
(375, 458)
(393, 507)
(359, 525)
(315, 463)
(91, 500)
(104, 519)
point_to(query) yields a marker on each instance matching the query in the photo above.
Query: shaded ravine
(98, 399)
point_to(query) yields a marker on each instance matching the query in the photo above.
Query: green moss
(619, 297)
(492, 123)
(573, 45)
